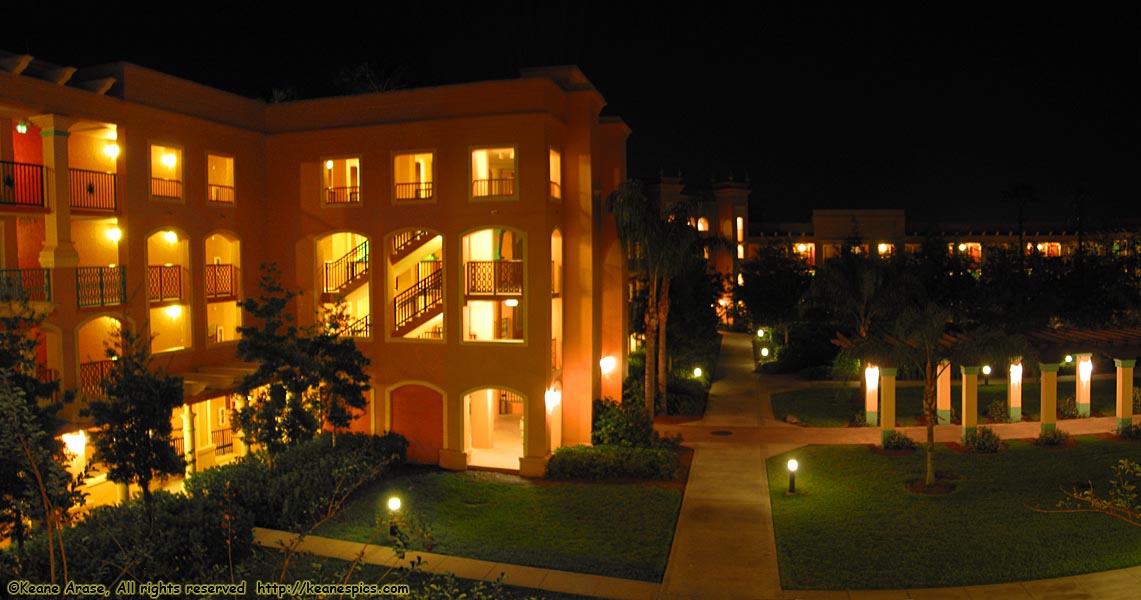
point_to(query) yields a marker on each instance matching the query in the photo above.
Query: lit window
(740, 229)
(494, 307)
(556, 175)
(412, 174)
(741, 251)
(220, 179)
(703, 224)
(166, 172)
(492, 172)
(342, 181)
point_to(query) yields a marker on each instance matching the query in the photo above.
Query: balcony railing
(33, 285)
(361, 327)
(223, 440)
(494, 277)
(92, 190)
(220, 280)
(414, 191)
(344, 270)
(406, 241)
(21, 184)
(492, 187)
(556, 190)
(220, 193)
(343, 195)
(178, 444)
(419, 300)
(100, 286)
(49, 375)
(166, 188)
(164, 283)
(92, 374)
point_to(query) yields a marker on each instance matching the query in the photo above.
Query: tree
(133, 430)
(1120, 503)
(306, 377)
(775, 282)
(660, 242)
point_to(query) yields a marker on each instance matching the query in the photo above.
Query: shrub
(1137, 400)
(627, 424)
(1130, 432)
(997, 412)
(898, 441)
(612, 462)
(1056, 437)
(1068, 408)
(685, 396)
(982, 440)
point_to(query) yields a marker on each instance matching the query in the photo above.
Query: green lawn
(835, 406)
(857, 527)
(620, 530)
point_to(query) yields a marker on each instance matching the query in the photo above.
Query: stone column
(1082, 382)
(943, 393)
(1014, 392)
(970, 399)
(1048, 384)
(887, 403)
(871, 395)
(1124, 391)
(189, 447)
(58, 251)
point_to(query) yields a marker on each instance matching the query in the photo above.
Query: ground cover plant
(619, 530)
(854, 526)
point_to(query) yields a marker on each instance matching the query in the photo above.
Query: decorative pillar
(887, 403)
(1014, 392)
(943, 393)
(188, 446)
(1048, 384)
(1085, 374)
(871, 412)
(58, 251)
(970, 399)
(1124, 391)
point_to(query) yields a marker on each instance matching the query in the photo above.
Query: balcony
(25, 285)
(92, 375)
(492, 187)
(361, 327)
(220, 283)
(420, 303)
(494, 278)
(343, 195)
(345, 273)
(223, 440)
(220, 193)
(414, 191)
(92, 190)
(100, 286)
(166, 188)
(23, 184)
(164, 283)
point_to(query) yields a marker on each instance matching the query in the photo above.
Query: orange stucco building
(463, 229)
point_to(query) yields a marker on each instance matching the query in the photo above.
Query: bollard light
(792, 466)
(697, 371)
(760, 333)
(393, 527)
(764, 351)
(394, 503)
(986, 374)
(1069, 358)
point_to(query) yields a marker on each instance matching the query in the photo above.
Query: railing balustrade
(492, 187)
(164, 282)
(33, 285)
(414, 191)
(220, 193)
(92, 374)
(404, 242)
(21, 184)
(223, 440)
(92, 190)
(220, 281)
(343, 195)
(345, 269)
(361, 327)
(494, 277)
(166, 188)
(416, 301)
(100, 286)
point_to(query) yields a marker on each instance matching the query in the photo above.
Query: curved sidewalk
(724, 546)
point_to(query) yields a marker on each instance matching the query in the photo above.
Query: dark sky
(934, 108)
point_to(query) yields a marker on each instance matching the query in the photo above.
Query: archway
(493, 427)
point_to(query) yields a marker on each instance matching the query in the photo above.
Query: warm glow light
(169, 160)
(512, 302)
(111, 150)
(962, 247)
(170, 237)
(76, 442)
(697, 371)
(1069, 358)
(1039, 246)
(1016, 373)
(872, 377)
(394, 503)
(607, 364)
(882, 248)
(986, 370)
(760, 333)
(1085, 368)
(114, 234)
(174, 311)
(21, 127)
(552, 399)
(740, 279)
(329, 166)
(793, 465)
(801, 247)
(764, 351)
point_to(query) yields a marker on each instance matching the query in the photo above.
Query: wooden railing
(92, 374)
(345, 269)
(92, 190)
(21, 184)
(25, 285)
(100, 286)
(494, 277)
(492, 187)
(166, 188)
(418, 300)
(343, 195)
(220, 193)
(178, 445)
(220, 280)
(223, 440)
(414, 191)
(164, 283)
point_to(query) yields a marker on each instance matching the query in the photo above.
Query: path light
(697, 371)
(393, 507)
(764, 351)
(1069, 358)
(792, 467)
(760, 333)
(986, 373)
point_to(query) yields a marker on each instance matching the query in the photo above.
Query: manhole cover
(720, 433)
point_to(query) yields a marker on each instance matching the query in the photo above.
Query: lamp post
(393, 508)
(986, 374)
(792, 466)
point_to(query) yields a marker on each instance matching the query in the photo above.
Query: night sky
(935, 109)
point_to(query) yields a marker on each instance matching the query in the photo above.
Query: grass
(836, 406)
(856, 527)
(619, 530)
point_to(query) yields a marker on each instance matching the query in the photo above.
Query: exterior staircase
(419, 304)
(346, 274)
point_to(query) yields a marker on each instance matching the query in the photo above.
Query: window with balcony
(556, 175)
(92, 338)
(99, 278)
(494, 308)
(346, 278)
(168, 279)
(342, 181)
(221, 280)
(416, 284)
(493, 172)
(220, 179)
(412, 177)
(166, 172)
(556, 300)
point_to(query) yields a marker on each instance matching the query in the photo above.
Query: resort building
(462, 229)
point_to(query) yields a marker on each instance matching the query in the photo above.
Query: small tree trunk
(663, 354)
(929, 416)
(651, 320)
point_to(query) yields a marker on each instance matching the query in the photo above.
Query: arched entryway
(494, 419)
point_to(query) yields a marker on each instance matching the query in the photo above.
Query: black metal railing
(405, 242)
(493, 187)
(220, 193)
(223, 440)
(347, 268)
(21, 184)
(166, 188)
(92, 374)
(164, 282)
(433, 334)
(220, 280)
(420, 299)
(178, 445)
(343, 195)
(361, 327)
(100, 286)
(25, 285)
(92, 190)
(494, 277)
(414, 191)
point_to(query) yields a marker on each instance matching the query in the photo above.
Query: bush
(1130, 432)
(1068, 408)
(612, 462)
(686, 396)
(627, 424)
(898, 441)
(1137, 400)
(982, 440)
(1056, 437)
(997, 412)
